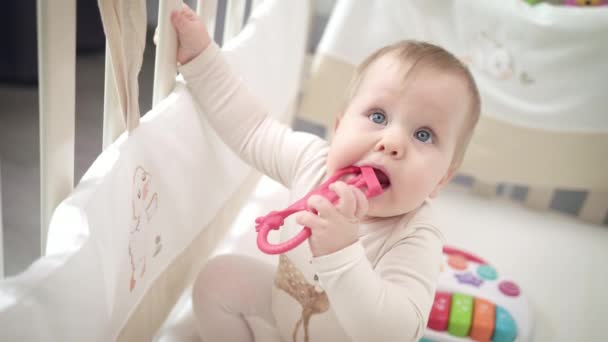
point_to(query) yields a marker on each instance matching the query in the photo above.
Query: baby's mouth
(382, 178)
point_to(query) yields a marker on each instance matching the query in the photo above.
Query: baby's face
(407, 128)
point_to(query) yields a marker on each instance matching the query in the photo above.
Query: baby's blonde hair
(422, 54)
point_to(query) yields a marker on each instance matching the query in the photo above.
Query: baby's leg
(229, 288)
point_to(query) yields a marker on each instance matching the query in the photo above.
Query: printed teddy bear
(144, 205)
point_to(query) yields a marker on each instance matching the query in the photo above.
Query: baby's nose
(393, 148)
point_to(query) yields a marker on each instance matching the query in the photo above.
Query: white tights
(228, 293)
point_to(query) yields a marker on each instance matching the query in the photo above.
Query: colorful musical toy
(474, 302)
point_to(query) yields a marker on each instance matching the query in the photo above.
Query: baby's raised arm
(240, 119)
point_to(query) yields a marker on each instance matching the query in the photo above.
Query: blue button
(487, 272)
(505, 329)
(424, 339)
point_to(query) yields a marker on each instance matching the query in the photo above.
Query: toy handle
(282, 247)
(274, 220)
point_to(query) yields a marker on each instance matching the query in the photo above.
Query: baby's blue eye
(378, 118)
(424, 135)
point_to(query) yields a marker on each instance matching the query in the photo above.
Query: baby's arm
(391, 302)
(238, 117)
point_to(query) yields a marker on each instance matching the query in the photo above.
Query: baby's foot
(192, 34)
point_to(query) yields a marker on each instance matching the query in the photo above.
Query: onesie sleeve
(242, 122)
(392, 301)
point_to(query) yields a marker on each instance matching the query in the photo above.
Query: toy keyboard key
(483, 320)
(461, 314)
(440, 312)
(506, 329)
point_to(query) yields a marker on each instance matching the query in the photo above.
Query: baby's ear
(444, 181)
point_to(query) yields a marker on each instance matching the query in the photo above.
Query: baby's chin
(378, 208)
(372, 216)
(380, 212)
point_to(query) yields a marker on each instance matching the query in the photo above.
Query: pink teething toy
(365, 178)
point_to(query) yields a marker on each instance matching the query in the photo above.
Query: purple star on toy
(469, 278)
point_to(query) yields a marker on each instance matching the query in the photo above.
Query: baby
(369, 270)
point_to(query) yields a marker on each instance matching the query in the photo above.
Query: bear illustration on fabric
(145, 204)
(493, 57)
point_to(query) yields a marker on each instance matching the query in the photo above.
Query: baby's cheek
(420, 187)
(336, 162)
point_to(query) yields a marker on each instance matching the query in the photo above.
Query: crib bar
(1, 229)
(485, 189)
(113, 123)
(595, 207)
(235, 11)
(56, 34)
(539, 198)
(165, 65)
(207, 9)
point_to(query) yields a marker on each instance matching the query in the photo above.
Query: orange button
(483, 320)
(457, 261)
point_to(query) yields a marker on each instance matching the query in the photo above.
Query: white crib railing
(1, 229)
(57, 96)
(57, 70)
(165, 66)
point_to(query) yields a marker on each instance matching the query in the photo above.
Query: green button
(461, 315)
(487, 272)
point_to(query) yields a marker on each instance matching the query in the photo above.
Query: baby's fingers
(346, 203)
(188, 12)
(308, 219)
(321, 205)
(361, 203)
(179, 20)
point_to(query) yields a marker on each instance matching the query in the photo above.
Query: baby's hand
(336, 226)
(192, 34)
